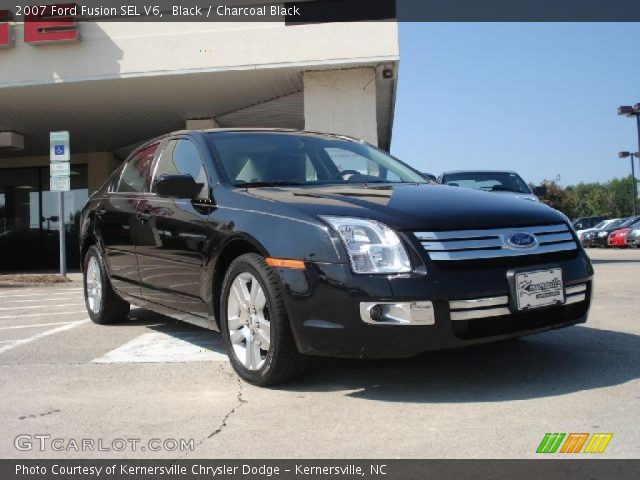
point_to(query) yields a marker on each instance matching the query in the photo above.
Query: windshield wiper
(270, 184)
(500, 188)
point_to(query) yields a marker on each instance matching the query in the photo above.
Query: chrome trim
(473, 314)
(502, 252)
(400, 313)
(456, 234)
(581, 297)
(478, 303)
(576, 289)
(493, 243)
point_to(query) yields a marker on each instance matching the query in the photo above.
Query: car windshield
(488, 181)
(601, 225)
(613, 224)
(253, 159)
(626, 222)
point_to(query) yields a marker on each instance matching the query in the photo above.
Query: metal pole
(63, 249)
(633, 183)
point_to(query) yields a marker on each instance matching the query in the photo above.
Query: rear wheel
(103, 304)
(255, 326)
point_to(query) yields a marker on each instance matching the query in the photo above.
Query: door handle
(143, 217)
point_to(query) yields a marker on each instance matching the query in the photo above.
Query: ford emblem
(520, 240)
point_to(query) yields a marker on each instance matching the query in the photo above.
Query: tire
(254, 319)
(103, 304)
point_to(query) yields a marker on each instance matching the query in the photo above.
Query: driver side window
(181, 157)
(346, 160)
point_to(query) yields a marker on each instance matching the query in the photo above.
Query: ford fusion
(297, 244)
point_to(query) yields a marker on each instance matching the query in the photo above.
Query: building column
(201, 124)
(343, 102)
(99, 166)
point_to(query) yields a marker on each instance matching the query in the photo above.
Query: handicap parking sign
(59, 146)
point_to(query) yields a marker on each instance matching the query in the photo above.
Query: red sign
(6, 33)
(41, 27)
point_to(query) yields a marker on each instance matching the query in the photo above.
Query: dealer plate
(539, 288)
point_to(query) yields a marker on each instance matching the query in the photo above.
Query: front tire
(103, 304)
(254, 324)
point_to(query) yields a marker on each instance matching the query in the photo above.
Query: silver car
(498, 181)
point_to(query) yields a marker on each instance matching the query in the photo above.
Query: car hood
(414, 206)
(524, 196)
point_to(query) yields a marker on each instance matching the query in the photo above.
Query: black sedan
(294, 244)
(599, 238)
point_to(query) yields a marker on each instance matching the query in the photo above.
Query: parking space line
(40, 306)
(53, 331)
(39, 294)
(174, 347)
(38, 300)
(42, 314)
(9, 292)
(35, 325)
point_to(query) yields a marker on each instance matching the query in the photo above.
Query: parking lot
(154, 378)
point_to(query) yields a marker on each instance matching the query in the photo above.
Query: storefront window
(29, 219)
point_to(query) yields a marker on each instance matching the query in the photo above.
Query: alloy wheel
(248, 321)
(94, 285)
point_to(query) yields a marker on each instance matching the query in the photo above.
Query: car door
(115, 220)
(172, 233)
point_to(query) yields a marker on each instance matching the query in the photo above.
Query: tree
(611, 199)
(563, 199)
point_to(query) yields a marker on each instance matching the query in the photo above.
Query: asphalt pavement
(65, 381)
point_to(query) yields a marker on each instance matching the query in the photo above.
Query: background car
(586, 236)
(633, 239)
(618, 238)
(503, 182)
(581, 232)
(429, 176)
(601, 239)
(584, 223)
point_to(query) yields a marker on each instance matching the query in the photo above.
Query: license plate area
(531, 289)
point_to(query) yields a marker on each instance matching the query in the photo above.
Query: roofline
(479, 171)
(262, 129)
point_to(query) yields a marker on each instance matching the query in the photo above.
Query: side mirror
(540, 191)
(177, 186)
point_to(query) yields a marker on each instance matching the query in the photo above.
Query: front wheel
(255, 326)
(103, 304)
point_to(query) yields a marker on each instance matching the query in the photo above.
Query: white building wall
(342, 101)
(124, 49)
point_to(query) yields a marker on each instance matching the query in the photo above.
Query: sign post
(60, 181)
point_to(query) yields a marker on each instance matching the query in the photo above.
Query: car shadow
(544, 365)
(200, 337)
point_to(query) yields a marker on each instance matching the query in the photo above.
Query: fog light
(401, 313)
(375, 313)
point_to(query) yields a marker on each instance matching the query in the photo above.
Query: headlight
(602, 234)
(372, 246)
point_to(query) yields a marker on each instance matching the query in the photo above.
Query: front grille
(470, 245)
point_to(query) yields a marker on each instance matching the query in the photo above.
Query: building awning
(114, 114)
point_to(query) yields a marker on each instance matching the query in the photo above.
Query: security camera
(387, 73)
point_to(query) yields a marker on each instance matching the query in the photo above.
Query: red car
(618, 238)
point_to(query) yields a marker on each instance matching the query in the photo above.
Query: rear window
(136, 175)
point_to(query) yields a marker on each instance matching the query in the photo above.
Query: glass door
(29, 219)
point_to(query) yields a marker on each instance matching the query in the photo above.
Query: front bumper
(325, 301)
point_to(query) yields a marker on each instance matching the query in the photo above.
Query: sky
(538, 98)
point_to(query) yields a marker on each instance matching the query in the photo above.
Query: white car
(603, 224)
